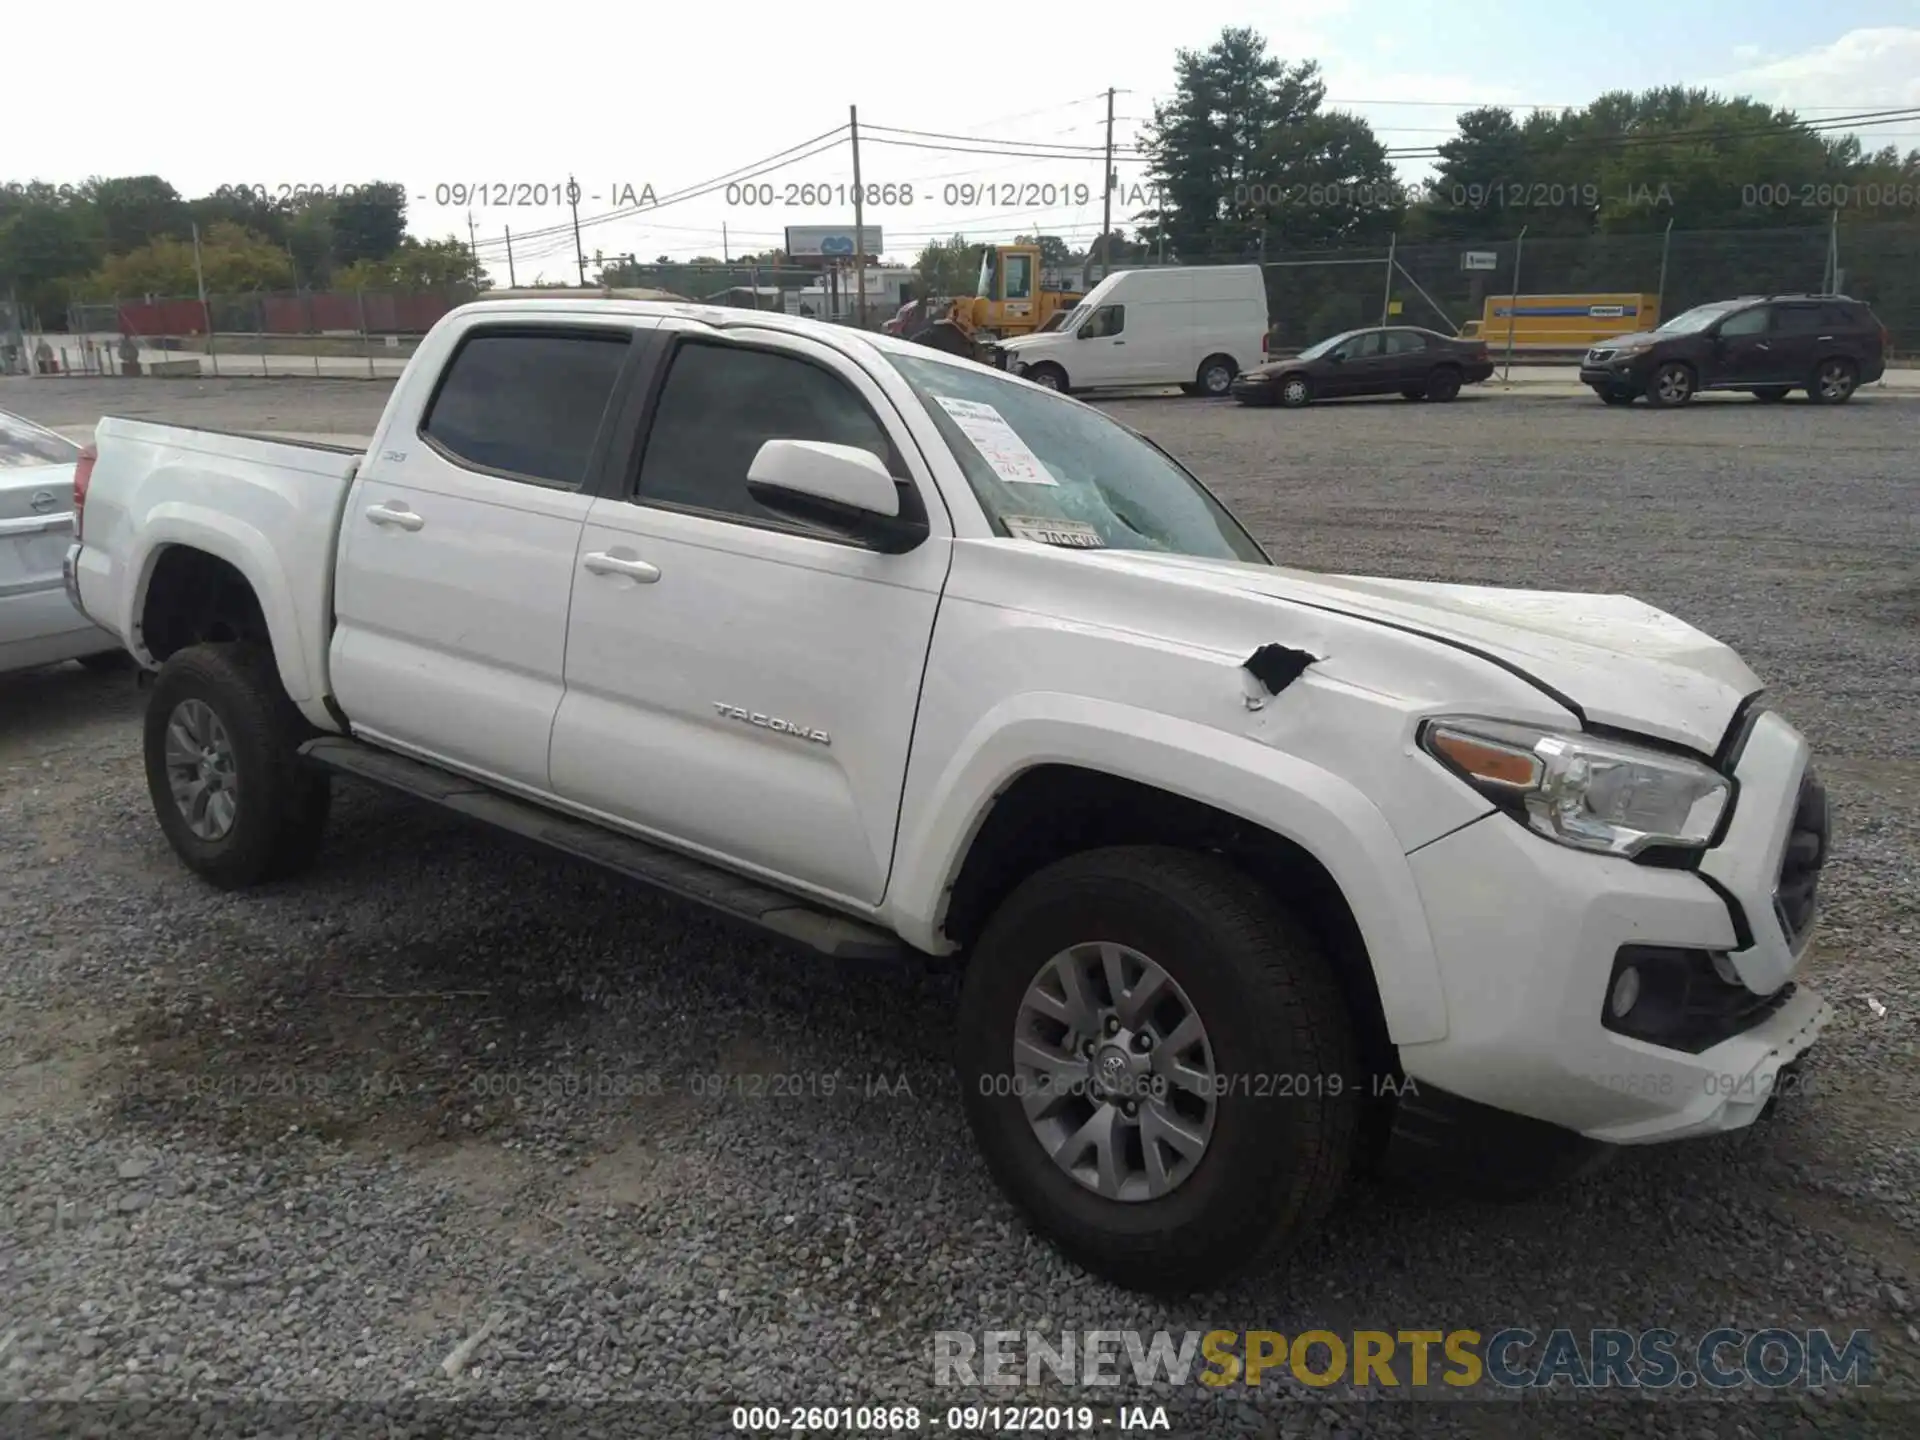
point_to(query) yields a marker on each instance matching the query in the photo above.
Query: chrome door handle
(387, 515)
(601, 563)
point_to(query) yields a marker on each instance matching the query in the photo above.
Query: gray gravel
(294, 1146)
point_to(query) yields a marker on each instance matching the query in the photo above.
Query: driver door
(1100, 351)
(1744, 351)
(1356, 366)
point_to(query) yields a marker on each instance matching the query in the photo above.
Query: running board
(820, 930)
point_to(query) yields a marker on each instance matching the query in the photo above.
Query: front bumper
(1528, 933)
(1607, 370)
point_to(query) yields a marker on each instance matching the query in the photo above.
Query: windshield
(1050, 469)
(1056, 321)
(1314, 352)
(1690, 321)
(24, 444)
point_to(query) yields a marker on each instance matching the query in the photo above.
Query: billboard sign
(833, 241)
(1480, 260)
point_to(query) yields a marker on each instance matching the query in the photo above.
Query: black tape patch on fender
(1276, 666)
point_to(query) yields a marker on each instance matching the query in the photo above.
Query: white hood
(1622, 663)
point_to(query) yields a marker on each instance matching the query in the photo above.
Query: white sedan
(38, 623)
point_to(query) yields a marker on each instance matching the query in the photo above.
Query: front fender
(1306, 804)
(229, 538)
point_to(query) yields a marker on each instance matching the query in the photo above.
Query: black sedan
(1419, 364)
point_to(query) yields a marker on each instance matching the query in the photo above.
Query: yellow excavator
(1009, 300)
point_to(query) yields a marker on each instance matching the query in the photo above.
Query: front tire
(1834, 382)
(1295, 391)
(237, 803)
(1048, 376)
(1673, 385)
(1120, 970)
(1215, 376)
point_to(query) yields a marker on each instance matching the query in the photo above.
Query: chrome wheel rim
(1674, 385)
(1835, 381)
(1295, 391)
(1115, 1072)
(202, 770)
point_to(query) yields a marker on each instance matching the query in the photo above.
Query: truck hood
(1032, 342)
(1617, 661)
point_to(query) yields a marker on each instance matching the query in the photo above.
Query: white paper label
(1073, 534)
(996, 441)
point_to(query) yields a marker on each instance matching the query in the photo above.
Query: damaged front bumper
(1533, 940)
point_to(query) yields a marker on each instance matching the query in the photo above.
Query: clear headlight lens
(1585, 792)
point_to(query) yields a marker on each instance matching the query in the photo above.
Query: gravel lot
(296, 1145)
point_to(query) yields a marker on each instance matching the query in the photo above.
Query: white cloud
(1874, 69)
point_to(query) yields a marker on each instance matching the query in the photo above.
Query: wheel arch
(201, 583)
(1041, 786)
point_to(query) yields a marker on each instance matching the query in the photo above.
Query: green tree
(45, 246)
(1053, 250)
(369, 223)
(1245, 148)
(416, 265)
(233, 260)
(133, 210)
(948, 267)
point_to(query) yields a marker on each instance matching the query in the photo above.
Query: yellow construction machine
(1009, 300)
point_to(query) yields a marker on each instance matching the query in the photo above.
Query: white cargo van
(1192, 326)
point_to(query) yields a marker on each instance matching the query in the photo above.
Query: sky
(509, 105)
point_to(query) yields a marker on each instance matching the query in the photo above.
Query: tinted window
(1405, 342)
(1107, 320)
(1845, 317)
(1747, 322)
(1801, 319)
(527, 403)
(23, 445)
(721, 403)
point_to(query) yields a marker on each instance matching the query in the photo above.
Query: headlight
(1623, 351)
(1581, 791)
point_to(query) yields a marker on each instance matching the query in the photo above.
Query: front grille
(1599, 357)
(1794, 893)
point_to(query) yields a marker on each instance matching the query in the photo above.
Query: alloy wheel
(202, 770)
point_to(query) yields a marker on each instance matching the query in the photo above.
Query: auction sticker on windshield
(1073, 534)
(997, 442)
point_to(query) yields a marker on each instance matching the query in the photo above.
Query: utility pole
(573, 199)
(473, 248)
(512, 284)
(1106, 195)
(859, 221)
(726, 255)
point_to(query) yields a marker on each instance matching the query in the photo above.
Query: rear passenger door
(701, 618)
(1407, 360)
(1802, 329)
(458, 541)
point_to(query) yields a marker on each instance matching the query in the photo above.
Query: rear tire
(1773, 394)
(1237, 968)
(1215, 376)
(1833, 382)
(1672, 385)
(219, 724)
(1443, 383)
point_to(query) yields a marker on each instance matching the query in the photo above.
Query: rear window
(526, 404)
(24, 445)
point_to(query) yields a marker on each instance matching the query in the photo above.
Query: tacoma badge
(772, 722)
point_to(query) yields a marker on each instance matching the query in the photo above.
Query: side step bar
(824, 931)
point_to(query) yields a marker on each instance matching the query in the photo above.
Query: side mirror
(838, 488)
(1335, 357)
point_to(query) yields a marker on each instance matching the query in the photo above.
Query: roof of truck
(721, 317)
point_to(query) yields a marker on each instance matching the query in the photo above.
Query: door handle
(1119, 342)
(389, 515)
(1824, 337)
(601, 563)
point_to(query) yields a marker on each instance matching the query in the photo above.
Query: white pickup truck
(1258, 875)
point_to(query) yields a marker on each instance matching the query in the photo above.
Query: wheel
(1672, 385)
(1615, 397)
(1773, 393)
(1413, 393)
(1443, 383)
(1295, 391)
(1834, 382)
(1112, 1019)
(1215, 377)
(230, 790)
(1048, 376)
(107, 662)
